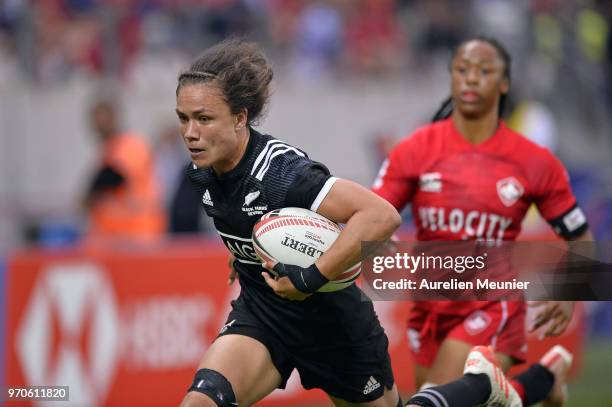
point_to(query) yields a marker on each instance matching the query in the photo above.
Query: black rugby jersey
(271, 175)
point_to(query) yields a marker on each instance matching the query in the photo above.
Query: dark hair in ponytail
(444, 111)
(241, 71)
(446, 108)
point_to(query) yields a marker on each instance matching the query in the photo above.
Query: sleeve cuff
(323, 193)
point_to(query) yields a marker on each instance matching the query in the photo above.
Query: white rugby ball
(299, 237)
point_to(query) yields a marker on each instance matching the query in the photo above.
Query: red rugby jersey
(459, 190)
(463, 191)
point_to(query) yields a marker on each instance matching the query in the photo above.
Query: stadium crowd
(563, 98)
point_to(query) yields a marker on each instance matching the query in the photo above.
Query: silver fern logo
(250, 198)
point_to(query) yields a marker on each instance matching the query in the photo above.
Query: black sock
(537, 381)
(468, 391)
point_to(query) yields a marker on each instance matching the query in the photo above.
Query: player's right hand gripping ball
(298, 237)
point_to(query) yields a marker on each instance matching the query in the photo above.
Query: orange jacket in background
(134, 209)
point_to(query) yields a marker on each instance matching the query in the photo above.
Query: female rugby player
(334, 340)
(468, 176)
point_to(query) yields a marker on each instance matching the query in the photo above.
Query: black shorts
(355, 370)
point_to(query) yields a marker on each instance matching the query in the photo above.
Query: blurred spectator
(536, 121)
(591, 32)
(181, 201)
(122, 198)
(374, 38)
(318, 40)
(185, 211)
(383, 142)
(445, 27)
(564, 49)
(607, 63)
(283, 21)
(170, 161)
(223, 18)
(49, 26)
(547, 51)
(65, 41)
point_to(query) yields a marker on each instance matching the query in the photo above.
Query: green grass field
(593, 387)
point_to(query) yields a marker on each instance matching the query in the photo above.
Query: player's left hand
(554, 316)
(282, 286)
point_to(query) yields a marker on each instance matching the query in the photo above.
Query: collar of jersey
(460, 140)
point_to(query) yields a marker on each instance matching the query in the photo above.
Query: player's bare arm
(367, 217)
(555, 316)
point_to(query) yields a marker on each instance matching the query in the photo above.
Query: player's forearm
(583, 250)
(372, 224)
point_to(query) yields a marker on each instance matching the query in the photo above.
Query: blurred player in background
(468, 176)
(334, 340)
(122, 199)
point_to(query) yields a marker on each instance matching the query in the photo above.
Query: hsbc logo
(69, 332)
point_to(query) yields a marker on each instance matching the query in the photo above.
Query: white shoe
(481, 360)
(558, 360)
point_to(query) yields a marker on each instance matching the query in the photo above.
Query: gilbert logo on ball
(299, 237)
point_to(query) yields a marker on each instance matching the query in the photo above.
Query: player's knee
(194, 399)
(214, 385)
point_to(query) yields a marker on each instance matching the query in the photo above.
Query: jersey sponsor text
(473, 224)
(240, 248)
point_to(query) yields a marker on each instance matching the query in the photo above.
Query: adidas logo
(206, 199)
(371, 385)
(227, 326)
(431, 182)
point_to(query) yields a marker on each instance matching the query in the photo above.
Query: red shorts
(499, 324)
